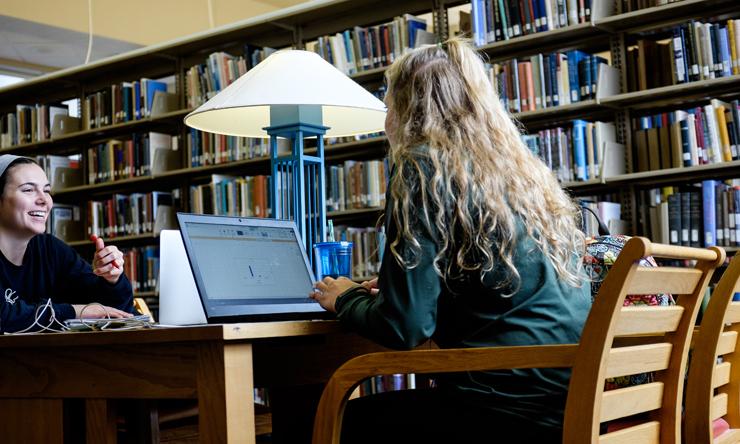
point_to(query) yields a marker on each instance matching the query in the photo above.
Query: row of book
(700, 215)
(696, 51)
(220, 69)
(29, 124)
(213, 149)
(577, 152)
(205, 80)
(697, 136)
(367, 248)
(547, 80)
(361, 49)
(126, 214)
(497, 20)
(247, 196)
(356, 184)
(123, 102)
(118, 159)
(141, 266)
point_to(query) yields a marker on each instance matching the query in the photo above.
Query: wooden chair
(593, 360)
(713, 389)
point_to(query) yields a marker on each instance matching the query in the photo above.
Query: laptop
(244, 269)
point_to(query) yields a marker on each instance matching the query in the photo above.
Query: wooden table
(217, 364)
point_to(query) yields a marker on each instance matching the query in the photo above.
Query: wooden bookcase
(296, 25)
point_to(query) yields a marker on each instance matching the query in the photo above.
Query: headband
(6, 160)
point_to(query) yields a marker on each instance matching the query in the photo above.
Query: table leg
(225, 393)
(100, 419)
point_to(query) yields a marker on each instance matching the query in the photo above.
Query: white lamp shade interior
(290, 77)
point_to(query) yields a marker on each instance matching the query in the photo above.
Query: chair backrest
(713, 389)
(665, 333)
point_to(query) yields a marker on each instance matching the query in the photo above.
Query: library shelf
(722, 170)
(669, 13)
(77, 137)
(354, 212)
(146, 294)
(559, 113)
(145, 237)
(673, 94)
(369, 74)
(542, 41)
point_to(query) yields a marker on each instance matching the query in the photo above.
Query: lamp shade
(290, 77)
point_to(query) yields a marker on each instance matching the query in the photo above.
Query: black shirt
(53, 270)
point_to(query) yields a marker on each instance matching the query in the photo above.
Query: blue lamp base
(298, 180)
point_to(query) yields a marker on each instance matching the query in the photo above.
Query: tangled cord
(106, 323)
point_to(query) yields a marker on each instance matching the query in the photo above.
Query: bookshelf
(608, 31)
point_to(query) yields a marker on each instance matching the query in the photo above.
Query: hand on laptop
(98, 311)
(108, 261)
(327, 291)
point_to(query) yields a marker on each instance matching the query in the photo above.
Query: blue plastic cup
(333, 259)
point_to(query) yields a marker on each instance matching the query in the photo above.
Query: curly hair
(481, 178)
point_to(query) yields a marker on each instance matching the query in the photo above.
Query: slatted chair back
(713, 388)
(667, 331)
(593, 360)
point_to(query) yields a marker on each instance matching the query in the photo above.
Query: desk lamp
(293, 94)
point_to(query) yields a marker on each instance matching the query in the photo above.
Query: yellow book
(724, 138)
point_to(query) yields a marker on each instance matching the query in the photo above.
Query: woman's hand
(371, 286)
(327, 291)
(98, 311)
(108, 261)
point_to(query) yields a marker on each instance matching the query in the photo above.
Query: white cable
(89, 31)
(211, 22)
(37, 317)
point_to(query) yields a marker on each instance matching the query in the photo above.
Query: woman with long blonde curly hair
(483, 250)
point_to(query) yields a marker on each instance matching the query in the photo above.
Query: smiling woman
(38, 270)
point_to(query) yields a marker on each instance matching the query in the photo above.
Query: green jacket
(414, 305)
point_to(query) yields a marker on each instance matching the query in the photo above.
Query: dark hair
(13, 164)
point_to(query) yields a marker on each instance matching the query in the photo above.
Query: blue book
(350, 52)
(579, 149)
(584, 73)
(724, 49)
(479, 23)
(709, 203)
(413, 24)
(574, 58)
(137, 100)
(595, 62)
(152, 86)
(544, 24)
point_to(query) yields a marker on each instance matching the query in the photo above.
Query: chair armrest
(328, 422)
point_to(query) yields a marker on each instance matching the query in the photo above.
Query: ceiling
(39, 36)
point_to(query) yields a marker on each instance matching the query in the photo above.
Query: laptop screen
(246, 266)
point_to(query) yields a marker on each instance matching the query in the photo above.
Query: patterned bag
(601, 253)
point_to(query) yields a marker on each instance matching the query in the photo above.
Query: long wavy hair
(475, 179)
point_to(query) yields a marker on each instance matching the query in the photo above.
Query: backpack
(600, 255)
